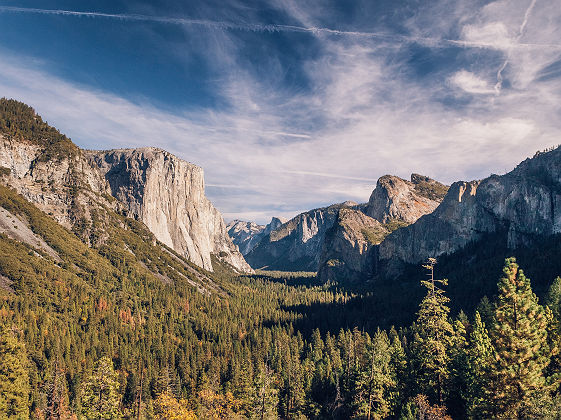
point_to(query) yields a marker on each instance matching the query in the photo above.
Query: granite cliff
(151, 185)
(523, 205)
(395, 198)
(350, 250)
(324, 240)
(349, 246)
(296, 245)
(246, 235)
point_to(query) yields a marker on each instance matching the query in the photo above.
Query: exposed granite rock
(151, 185)
(349, 248)
(299, 243)
(525, 203)
(246, 235)
(394, 203)
(15, 228)
(397, 199)
(296, 245)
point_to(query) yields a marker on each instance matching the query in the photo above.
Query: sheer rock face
(296, 245)
(524, 203)
(151, 185)
(299, 243)
(397, 199)
(246, 235)
(349, 248)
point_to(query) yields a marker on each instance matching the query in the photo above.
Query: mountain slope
(300, 244)
(397, 199)
(349, 246)
(524, 204)
(151, 185)
(296, 245)
(246, 235)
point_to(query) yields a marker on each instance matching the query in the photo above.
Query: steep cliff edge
(246, 235)
(349, 252)
(303, 244)
(524, 204)
(74, 186)
(395, 198)
(167, 194)
(296, 245)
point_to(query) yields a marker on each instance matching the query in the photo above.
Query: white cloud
(274, 152)
(470, 83)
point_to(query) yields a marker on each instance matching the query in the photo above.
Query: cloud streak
(270, 28)
(499, 84)
(274, 150)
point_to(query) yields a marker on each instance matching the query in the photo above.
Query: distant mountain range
(404, 221)
(321, 239)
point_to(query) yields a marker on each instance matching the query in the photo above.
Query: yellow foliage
(166, 407)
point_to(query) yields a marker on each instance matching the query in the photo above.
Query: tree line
(504, 362)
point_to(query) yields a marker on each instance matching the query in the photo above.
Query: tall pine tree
(100, 392)
(479, 356)
(518, 385)
(433, 339)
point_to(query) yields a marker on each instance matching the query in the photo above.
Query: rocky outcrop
(302, 243)
(397, 199)
(524, 204)
(349, 248)
(167, 194)
(246, 235)
(151, 185)
(296, 245)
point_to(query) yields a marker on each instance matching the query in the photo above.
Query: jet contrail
(255, 27)
(499, 84)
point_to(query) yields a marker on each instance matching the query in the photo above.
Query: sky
(292, 105)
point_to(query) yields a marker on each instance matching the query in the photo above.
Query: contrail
(499, 84)
(255, 27)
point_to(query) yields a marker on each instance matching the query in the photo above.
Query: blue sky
(291, 105)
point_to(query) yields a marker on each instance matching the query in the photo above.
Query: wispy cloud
(277, 151)
(469, 82)
(259, 27)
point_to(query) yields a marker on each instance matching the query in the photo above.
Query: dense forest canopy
(113, 324)
(96, 322)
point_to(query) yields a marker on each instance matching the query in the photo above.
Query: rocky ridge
(149, 184)
(296, 245)
(246, 235)
(350, 248)
(523, 204)
(312, 239)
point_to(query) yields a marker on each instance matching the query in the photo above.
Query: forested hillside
(99, 322)
(103, 321)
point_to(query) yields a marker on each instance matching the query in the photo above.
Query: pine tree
(553, 298)
(14, 376)
(56, 390)
(520, 339)
(458, 364)
(398, 363)
(375, 384)
(433, 340)
(553, 311)
(100, 392)
(479, 356)
(265, 399)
